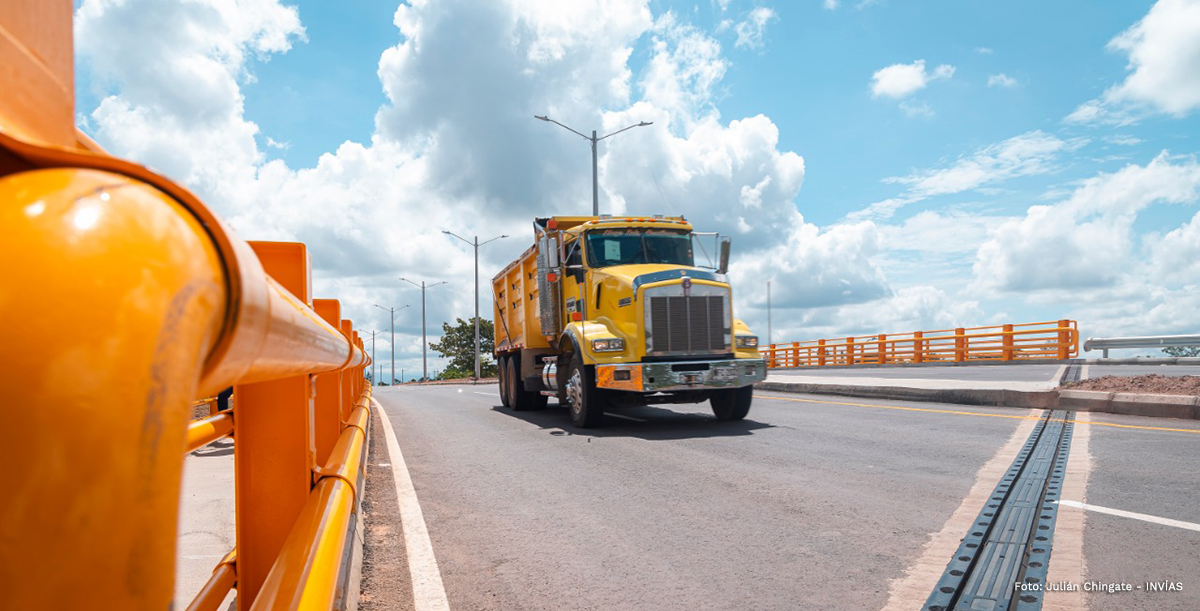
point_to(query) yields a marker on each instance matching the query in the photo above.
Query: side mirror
(726, 245)
(578, 273)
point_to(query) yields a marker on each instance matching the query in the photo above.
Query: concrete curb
(1185, 407)
(1045, 399)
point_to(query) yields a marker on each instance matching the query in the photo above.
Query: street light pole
(595, 167)
(476, 244)
(393, 344)
(424, 339)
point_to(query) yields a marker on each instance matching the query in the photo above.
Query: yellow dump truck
(605, 312)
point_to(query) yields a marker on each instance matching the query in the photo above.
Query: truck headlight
(613, 344)
(747, 341)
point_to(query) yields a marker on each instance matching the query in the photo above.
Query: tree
(1183, 350)
(458, 345)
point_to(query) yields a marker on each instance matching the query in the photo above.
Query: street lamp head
(542, 117)
(645, 123)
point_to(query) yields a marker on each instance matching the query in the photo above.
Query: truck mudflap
(681, 375)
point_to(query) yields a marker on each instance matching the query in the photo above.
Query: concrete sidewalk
(206, 519)
(1024, 385)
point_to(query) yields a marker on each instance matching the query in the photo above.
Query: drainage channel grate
(1073, 373)
(1002, 561)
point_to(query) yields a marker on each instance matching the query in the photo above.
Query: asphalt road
(811, 503)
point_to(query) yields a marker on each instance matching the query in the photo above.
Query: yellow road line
(961, 413)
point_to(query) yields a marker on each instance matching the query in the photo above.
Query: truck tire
(584, 400)
(502, 365)
(731, 403)
(519, 398)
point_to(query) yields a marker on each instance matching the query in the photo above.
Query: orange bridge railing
(1055, 340)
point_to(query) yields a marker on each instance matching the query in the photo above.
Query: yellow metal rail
(1016, 342)
(151, 302)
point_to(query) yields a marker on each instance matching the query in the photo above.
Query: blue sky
(891, 166)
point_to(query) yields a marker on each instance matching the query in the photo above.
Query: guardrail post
(881, 358)
(1008, 343)
(821, 352)
(918, 347)
(849, 350)
(960, 345)
(1064, 339)
(273, 447)
(327, 406)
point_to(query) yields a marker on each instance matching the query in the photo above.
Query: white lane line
(1132, 515)
(625, 417)
(428, 592)
(486, 394)
(912, 589)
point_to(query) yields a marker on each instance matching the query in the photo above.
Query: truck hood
(645, 273)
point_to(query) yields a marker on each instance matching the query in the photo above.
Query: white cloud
(901, 80)
(984, 50)
(1001, 80)
(1123, 140)
(751, 30)
(1164, 57)
(1174, 258)
(907, 309)
(684, 68)
(815, 268)
(465, 153)
(830, 4)
(939, 233)
(1086, 241)
(1024, 155)
(175, 70)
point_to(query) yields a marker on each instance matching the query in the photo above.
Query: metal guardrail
(1016, 342)
(124, 300)
(1146, 341)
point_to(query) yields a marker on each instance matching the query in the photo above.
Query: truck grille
(687, 324)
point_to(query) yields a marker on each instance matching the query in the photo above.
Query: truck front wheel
(583, 398)
(731, 403)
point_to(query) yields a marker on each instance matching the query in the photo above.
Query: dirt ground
(1150, 384)
(386, 585)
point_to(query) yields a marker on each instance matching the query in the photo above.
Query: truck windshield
(607, 247)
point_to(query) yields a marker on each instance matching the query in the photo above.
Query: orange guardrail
(1016, 342)
(125, 299)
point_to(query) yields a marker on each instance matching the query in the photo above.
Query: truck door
(573, 284)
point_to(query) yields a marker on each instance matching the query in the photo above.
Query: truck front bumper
(681, 375)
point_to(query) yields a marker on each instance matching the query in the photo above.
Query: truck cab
(624, 316)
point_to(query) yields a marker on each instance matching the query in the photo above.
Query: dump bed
(515, 305)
